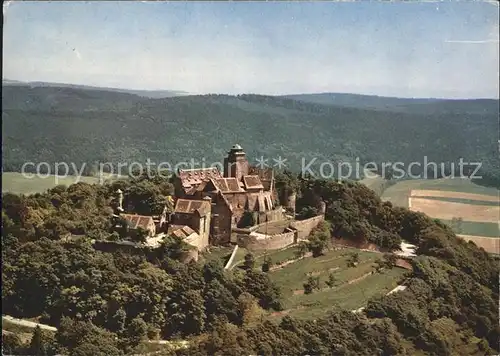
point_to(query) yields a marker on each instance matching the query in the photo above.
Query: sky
(420, 49)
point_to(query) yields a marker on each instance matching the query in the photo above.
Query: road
(26, 323)
(31, 324)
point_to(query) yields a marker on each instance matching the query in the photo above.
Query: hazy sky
(399, 49)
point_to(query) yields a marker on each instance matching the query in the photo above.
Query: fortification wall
(271, 242)
(272, 215)
(304, 227)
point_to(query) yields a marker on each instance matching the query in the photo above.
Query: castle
(214, 202)
(239, 205)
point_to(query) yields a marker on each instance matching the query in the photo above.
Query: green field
(474, 228)
(291, 278)
(398, 193)
(13, 182)
(347, 296)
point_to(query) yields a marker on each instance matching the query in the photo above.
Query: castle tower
(236, 163)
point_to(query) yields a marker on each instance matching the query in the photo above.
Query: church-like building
(213, 202)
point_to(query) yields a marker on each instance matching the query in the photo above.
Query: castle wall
(304, 227)
(271, 242)
(272, 215)
(220, 231)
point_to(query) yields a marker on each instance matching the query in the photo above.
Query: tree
(331, 280)
(249, 310)
(353, 259)
(390, 260)
(11, 344)
(37, 345)
(141, 235)
(302, 249)
(316, 246)
(247, 220)
(311, 285)
(266, 266)
(136, 331)
(249, 262)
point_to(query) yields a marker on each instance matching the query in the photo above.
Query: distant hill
(54, 124)
(144, 93)
(409, 105)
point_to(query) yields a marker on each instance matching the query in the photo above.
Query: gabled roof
(186, 206)
(191, 177)
(252, 182)
(136, 221)
(181, 231)
(227, 185)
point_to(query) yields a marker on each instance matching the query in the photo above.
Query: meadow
(399, 192)
(352, 286)
(14, 182)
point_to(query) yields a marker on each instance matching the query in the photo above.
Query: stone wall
(271, 242)
(272, 215)
(304, 227)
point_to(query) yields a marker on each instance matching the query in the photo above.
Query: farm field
(473, 216)
(398, 193)
(470, 197)
(13, 182)
(449, 210)
(474, 228)
(490, 244)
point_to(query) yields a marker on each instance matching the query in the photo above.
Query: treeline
(71, 125)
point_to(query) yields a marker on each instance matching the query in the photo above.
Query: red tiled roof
(252, 182)
(181, 231)
(190, 177)
(227, 185)
(136, 221)
(185, 206)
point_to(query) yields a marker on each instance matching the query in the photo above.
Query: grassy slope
(348, 296)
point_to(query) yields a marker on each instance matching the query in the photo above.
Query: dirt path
(286, 263)
(26, 323)
(31, 324)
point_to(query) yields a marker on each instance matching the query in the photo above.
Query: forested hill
(144, 93)
(53, 124)
(408, 105)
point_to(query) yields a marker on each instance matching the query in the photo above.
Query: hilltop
(144, 93)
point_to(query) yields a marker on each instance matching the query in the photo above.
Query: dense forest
(111, 303)
(50, 124)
